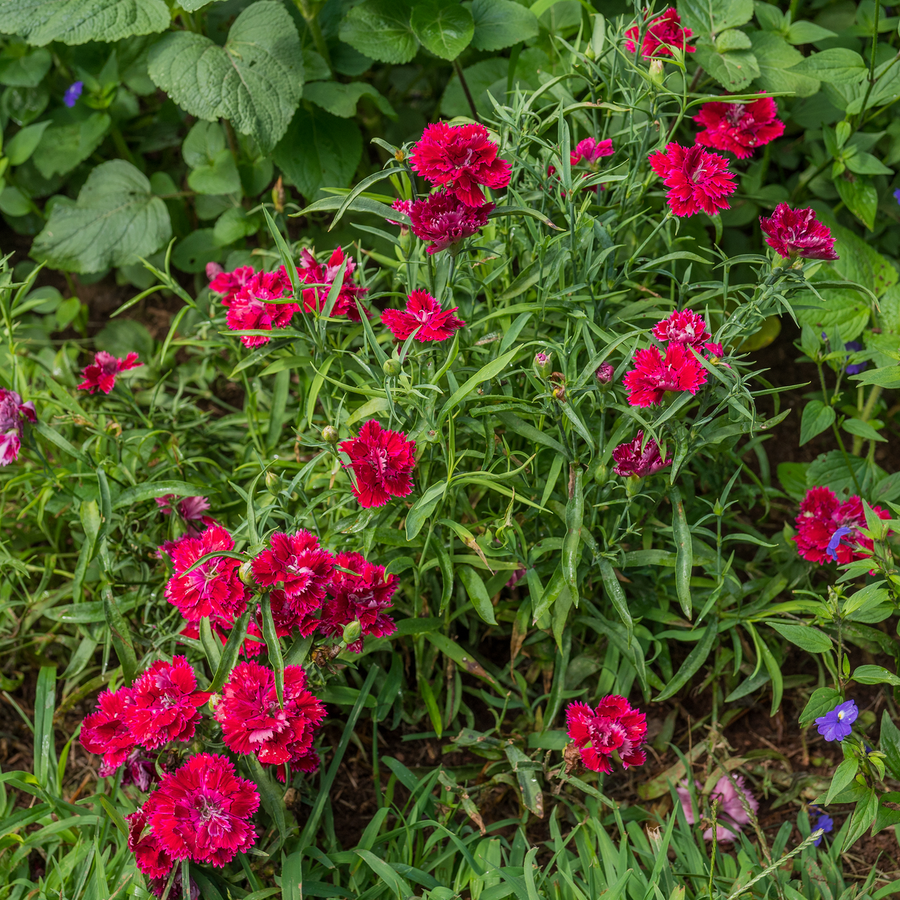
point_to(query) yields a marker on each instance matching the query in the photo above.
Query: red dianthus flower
(590, 150)
(382, 462)
(150, 857)
(165, 703)
(323, 275)
(212, 588)
(828, 530)
(300, 564)
(797, 232)
(202, 811)
(251, 306)
(445, 221)
(612, 727)
(739, 128)
(653, 375)
(682, 327)
(253, 722)
(697, 180)
(463, 157)
(422, 309)
(12, 428)
(362, 597)
(228, 283)
(101, 374)
(663, 33)
(106, 732)
(635, 459)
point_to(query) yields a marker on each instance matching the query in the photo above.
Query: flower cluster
(382, 462)
(101, 373)
(661, 35)
(424, 313)
(461, 160)
(828, 530)
(736, 807)
(612, 727)
(13, 412)
(320, 277)
(739, 128)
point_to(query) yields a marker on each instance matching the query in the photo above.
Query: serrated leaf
(733, 39)
(444, 29)
(381, 29)
(341, 99)
(502, 23)
(775, 57)
(860, 196)
(63, 147)
(25, 71)
(831, 470)
(709, 17)
(848, 311)
(319, 150)
(837, 65)
(734, 70)
(115, 220)
(816, 418)
(255, 80)
(79, 21)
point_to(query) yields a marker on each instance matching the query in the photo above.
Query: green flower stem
(310, 13)
(866, 414)
(462, 80)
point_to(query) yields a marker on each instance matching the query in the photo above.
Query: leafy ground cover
(517, 522)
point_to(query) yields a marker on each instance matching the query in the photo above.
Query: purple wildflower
(73, 92)
(824, 821)
(897, 195)
(837, 724)
(855, 368)
(835, 541)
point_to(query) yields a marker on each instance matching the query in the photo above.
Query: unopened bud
(278, 195)
(273, 481)
(657, 71)
(330, 434)
(633, 485)
(245, 573)
(543, 363)
(604, 375)
(352, 631)
(601, 474)
(399, 155)
(391, 367)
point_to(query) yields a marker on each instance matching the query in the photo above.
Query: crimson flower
(12, 428)
(403, 206)
(636, 459)
(251, 306)
(299, 563)
(253, 722)
(797, 232)
(442, 219)
(422, 309)
(653, 375)
(828, 530)
(463, 157)
(202, 811)
(604, 374)
(150, 857)
(214, 586)
(697, 180)
(359, 597)
(140, 770)
(382, 462)
(228, 283)
(106, 732)
(612, 726)
(165, 703)
(663, 33)
(682, 327)
(323, 275)
(190, 508)
(739, 127)
(101, 374)
(590, 150)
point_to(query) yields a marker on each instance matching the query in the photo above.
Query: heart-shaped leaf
(445, 30)
(380, 29)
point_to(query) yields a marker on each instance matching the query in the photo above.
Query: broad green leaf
(80, 21)
(816, 418)
(381, 29)
(775, 57)
(234, 224)
(875, 675)
(844, 775)
(213, 169)
(14, 203)
(63, 147)
(810, 639)
(807, 32)
(734, 69)
(444, 29)
(889, 743)
(255, 80)
(319, 150)
(709, 17)
(888, 376)
(823, 700)
(862, 819)
(848, 311)
(24, 71)
(477, 592)
(24, 143)
(191, 254)
(115, 220)
(836, 66)
(860, 262)
(830, 470)
(864, 429)
(860, 196)
(341, 99)
(733, 39)
(502, 23)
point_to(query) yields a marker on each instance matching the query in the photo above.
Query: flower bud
(278, 196)
(543, 363)
(601, 474)
(273, 482)
(633, 485)
(657, 71)
(245, 573)
(391, 367)
(352, 631)
(330, 434)
(604, 375)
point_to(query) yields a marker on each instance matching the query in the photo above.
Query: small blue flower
(826, 823)
(855, 368)
(837, 724)
(73, 92)
(897, 195)
(835, 541)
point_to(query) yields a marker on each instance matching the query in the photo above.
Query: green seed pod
(273, 481)
(245, 573)
(352, 631)
(330, 434)
(391, 367)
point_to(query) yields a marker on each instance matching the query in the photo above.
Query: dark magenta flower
(731, 812)
(604, 374)
(663, 33)
(682, 327)
(739, 128)
(654, 375)
(612, 727)
(251, 307)
(322, 275)
(228, 283)
(445, 221)
(382, 462)
(73, 92)
(437, 324)
(838, 723)
(189, 508)
(12, 427)
(149, 856)
(635, 459)
(797, 232)
(462, 157)
(101, 374)
(697, 180)
(590, 150)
